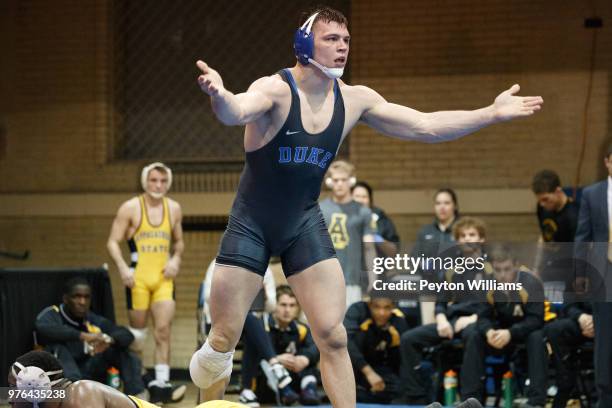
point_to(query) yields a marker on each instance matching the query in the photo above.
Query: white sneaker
(248, 398)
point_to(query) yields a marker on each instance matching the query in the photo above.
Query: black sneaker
(158, 393)
(288, 396)
(166, 392)
(309, 395)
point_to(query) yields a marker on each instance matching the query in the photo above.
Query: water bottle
(507, 389)
(450, 388)
(112, 378)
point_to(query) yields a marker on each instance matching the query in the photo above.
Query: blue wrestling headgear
(303, 44)
(303, 41)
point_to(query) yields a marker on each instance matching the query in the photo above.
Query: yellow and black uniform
(150, 248)
(378, 347)
(141, 403)
(520, 312)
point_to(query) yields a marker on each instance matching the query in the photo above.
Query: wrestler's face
(157, 182)
(608, 163)
(505, 271)
(286, 309)
(331, 44)
(381, 310)
(341, 183)
(550, 201)
(360, 194)
(444, 206)
(78, 301)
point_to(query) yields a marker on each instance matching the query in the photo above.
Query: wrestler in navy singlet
(276, 210)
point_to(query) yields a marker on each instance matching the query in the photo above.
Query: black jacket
(54, 326)
(519, 311)
(373, 345)
(455, 303)
(295, 339)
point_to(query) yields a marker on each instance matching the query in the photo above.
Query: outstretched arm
(405, 123)
(233, 109)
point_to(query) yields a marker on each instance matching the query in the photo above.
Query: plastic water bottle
(112, 378)
(507, 389)
(450, 388)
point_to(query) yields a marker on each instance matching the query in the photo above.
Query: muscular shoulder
(174, 205)
(129, 208)
(82, 392)
(362, 95)
(175, 209)
(273, 86)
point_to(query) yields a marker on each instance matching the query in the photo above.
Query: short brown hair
(325, 14)
(545, 181)
(284, 290)
(470, 222)
(501, 253)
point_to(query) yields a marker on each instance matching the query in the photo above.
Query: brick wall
(459, 55)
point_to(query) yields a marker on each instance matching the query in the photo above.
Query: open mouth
(340, 60)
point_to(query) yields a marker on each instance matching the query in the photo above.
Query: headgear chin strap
(32, 377)
(303, 44)
(331, 73)
(145, 175)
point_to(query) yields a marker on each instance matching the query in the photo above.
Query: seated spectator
(434, 236)
(287, 346)
(387, 241)
(508, 318)
(85, 343)
(374, 329)
(35, 369)
(456, 312)
(564, 335)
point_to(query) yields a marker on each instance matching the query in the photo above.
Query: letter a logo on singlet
(337, 230)
(518, 311)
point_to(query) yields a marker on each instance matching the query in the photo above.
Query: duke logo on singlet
(304, 154)
(337, 230)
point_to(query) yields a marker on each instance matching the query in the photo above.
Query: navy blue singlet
(276, 210)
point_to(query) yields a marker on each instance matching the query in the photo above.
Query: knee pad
(208, 366)
(140, 338)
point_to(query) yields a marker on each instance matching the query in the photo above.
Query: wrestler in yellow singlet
(150, 248)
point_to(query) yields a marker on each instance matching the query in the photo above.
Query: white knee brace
(208, 366)
(140, 338)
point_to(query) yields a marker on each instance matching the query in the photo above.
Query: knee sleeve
(140, 338)
(208, 366)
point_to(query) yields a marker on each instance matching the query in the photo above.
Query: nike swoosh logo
(292, 133)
